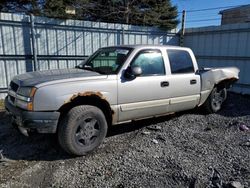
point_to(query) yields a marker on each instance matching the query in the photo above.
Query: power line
(204, 11)
(207, 9)
(200, 15)
(211, 19)
(203, 16)
(215, 8)
(204, 20)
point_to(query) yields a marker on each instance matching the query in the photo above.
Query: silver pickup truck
(114, 85)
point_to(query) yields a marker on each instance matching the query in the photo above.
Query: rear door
(184, 83)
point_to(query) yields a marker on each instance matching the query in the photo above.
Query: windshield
(106, 60)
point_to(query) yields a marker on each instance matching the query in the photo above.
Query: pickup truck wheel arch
(93, 100)
(222, 84)
(226, 83)
(82, 130)
(215, 100)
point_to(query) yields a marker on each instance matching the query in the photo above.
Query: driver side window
(151, 62)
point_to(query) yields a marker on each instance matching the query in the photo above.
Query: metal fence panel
(62, 43)
(220, 46)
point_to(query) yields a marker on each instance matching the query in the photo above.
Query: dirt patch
(182, 150)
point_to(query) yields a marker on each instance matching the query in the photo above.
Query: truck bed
(212, 76)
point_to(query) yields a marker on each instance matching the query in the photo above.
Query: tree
(55, 8)
(159, 13)
(26, 6)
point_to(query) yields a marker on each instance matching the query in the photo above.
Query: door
(184, 83)
(147, 94)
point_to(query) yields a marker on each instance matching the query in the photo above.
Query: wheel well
(226, 83)
(93, 100)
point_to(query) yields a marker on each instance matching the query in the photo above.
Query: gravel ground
(187, 149)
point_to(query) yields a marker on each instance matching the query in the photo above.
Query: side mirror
(133, 72)
(136, 71)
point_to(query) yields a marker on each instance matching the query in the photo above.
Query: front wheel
(82, 130)
(215, 100)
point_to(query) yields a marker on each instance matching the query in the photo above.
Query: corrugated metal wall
(219, 46)
(63, 43)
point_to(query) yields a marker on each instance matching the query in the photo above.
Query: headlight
(26, 91)
(22, 104)
(24, 97)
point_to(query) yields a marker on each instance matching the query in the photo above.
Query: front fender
(52, 97)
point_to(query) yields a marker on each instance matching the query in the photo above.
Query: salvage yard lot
(179, 150)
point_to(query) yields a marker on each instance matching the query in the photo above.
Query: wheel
(215, 100)
(224, 94)
(82, 130)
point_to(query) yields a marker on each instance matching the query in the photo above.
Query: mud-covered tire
(215, 100)
(82, 130)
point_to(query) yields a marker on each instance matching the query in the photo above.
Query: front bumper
(42, 122)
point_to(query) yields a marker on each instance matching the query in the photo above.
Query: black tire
(82, 130)
(215, 100)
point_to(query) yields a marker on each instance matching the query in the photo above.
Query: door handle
(193, 82)
(164, 84)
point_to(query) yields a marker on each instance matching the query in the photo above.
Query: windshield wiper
(78, 67)
(92, 69)
(84, 67)
(88, 68)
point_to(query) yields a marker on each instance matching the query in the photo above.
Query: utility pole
(183, 20)
(33, 42)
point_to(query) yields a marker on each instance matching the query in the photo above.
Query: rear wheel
(215, 100)
(82, 130)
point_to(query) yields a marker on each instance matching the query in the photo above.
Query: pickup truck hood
(39, 77)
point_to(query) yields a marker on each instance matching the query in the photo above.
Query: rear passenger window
(180, 61)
